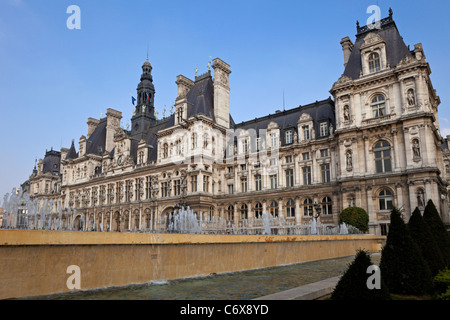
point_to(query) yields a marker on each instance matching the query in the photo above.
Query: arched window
(290, 209)
(258, 210)
(385, 200)
(327, 206)
(308, 207)
(230, 213)
(382, 151)
(244, 212)
(274, 209)
(374, 63)
(378, 106)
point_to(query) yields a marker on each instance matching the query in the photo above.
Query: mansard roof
(51, 162)
(96, 142)
(201, 97)
(396, 49)
(320, 111)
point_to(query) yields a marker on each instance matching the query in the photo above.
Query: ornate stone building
(375, 145)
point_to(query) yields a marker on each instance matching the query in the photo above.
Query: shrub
(353, 284)
(441, 282)
(438, 230)
(402, 266)
(423, 238)
(356, 217)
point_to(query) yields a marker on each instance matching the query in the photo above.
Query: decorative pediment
(272, 125)
(372, 39)
(342, 81)
(305, 117)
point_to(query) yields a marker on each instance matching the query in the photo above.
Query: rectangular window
(245, 146)
(324, 153)
(273, 181)
(305, 156)
(258, 184)
(258, 144)
(273, 162)
(230, 189)
(289, 177)
(230, 169)
(306, 133)
(289, 137)
(206, 183)
(288, 159)
(274, 137)
(307, 175)
(325, 169)
(243, 167)
(244, 185)
(177, 187)
(324, 129)
(194, 183)
(164, 189)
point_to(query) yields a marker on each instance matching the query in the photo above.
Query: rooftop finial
(391, 13)
(147, 51)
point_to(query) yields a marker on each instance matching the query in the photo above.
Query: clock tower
(144, 113)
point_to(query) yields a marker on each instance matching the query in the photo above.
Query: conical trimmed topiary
(422, 236)
(402, 266)
(353, 284)
(438, 230)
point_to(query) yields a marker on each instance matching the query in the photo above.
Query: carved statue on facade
(346, 113)
(416, 148)
(411, 98)
(349, 159)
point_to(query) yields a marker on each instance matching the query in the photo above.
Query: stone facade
(375, 145)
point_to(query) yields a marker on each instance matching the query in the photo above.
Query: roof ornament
(196, 70)
(391, 13)
(209, 63)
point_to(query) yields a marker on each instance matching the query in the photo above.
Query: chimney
(221, 92)
(347, 47)
(113, 118)
(184, 85)
(92, 125)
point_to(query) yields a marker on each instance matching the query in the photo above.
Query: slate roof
(320, 111)
(51, 162)
(72, 154)
(396, 49)
(201, 97)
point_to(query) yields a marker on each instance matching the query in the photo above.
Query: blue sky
(53, 79)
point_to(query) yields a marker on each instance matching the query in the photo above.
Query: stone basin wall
(36, 262)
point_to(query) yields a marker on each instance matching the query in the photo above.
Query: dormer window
(323, 129)
(289, 137)
(374, 63)
(306, 133)
(378, 106)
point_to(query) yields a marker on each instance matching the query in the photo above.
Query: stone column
(298, 215)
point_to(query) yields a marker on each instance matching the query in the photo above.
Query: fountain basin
(35, 262)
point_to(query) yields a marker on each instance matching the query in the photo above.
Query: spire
(72, 154)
